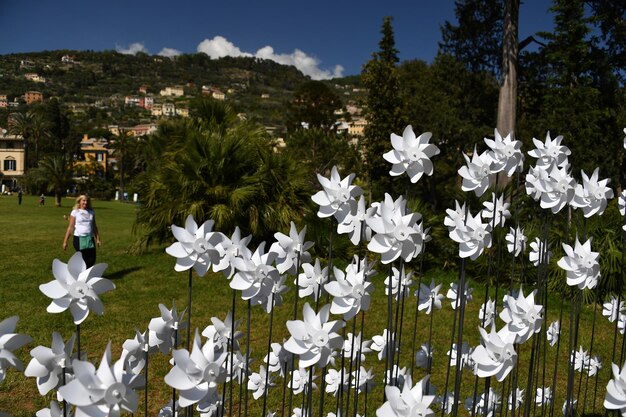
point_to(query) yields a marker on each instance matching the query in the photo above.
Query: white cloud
(219, 47)
(132, 49)
(169, 52)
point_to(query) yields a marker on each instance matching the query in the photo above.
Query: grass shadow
(122, 273)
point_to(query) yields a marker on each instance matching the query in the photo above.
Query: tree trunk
(507, 100)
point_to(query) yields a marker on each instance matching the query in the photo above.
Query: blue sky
(322, 38)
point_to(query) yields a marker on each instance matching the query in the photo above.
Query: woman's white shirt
(83, 221)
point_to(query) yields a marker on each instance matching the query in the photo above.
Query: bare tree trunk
(507, 100)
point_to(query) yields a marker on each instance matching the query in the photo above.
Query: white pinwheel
(551, 152)
(519, 398)
(49, 363)
(355, 347)
(553, 333)
(613, 308)
(423, 356)
(334, 380)
(355, 222)
(299, 380)
(472, 235)
(516, 241)
(592, 195)
(105, 392)
(476, 172)
(170, 410)
(231, 249)
(380, 343)
(315, 338)
(278, 359)
(410, 401)
(134, 352)
(505, 153)
(54, 411)
(621, 205)
(363, 380)
(522, 316)
(429, 297)
(495, 356)
(496, 210)
(195, 246)
(593, 365)
(486, 405)
(581, 265)
(411, 154)
(256, 382)
(9, 341)
(312, 280)
(337, 193)
(466, 355)
(162, 330)
(351, 292)
(487, 313)
(400, 280)
(535, 178)
(453, 294)
(558, 190)
(455, 216)
(580, 359)
(539, 252)
(221, 332)
(197, 374)
(255, 276)
(76, 287)
(615, 398)
(396, 376)
(290, 250)
(543, 396)
(397, 233)
(572, 407)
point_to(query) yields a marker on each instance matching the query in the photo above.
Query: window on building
(10, 165)
(99, 157)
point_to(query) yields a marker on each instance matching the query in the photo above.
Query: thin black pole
(267, 363)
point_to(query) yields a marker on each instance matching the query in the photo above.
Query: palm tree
(219, 167)
(55, 174)
(34, 128)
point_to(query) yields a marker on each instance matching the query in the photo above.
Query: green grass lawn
(32, 238)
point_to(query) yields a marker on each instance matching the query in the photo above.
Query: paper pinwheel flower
(337, 193)
(290, 249)
(557, 191)
(543, 396)
(396, 376)
(453, 294)
(615, 398)
(333, 380)
(466, 355)
(495, 356)
(500, 208)
(134, 352)
(487, 313)
(446, 402)
(210, 404)
(519, 399)
(621, 205)
(592, 195)
(411, 155)
(422, 356)
(535, 178)
(455, 216)
(220, 332)
(550, 153)
(256, 382)
(400, 282)
(553, 332)
(580, 359)
(621, 323)
(312, 280)
(104, 392)
(300, 379)
(255, 276)
(410, 401)
(522, 316)
(380, 343)
(536, 255)
(516, 241)
(351, 292)
(162, 330)
(353, 345)
(505, 154)
(572, 407)
(195, 246)
(355, 222)
(429, 297)
(54, 411)
(486, 405)
(396, 234)
(363, 380)
(49, 363)
(170, 410)
(315, 338)
(198, 374)
(10, 341)
(580, 264)
(472, 235)
(594, 365)
(612, 308)
(76, 287)
(278, 359)
(476, 172)
(231, 249)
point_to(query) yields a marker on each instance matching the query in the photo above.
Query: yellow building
(357, 127)
(94, 156)
(12, 158)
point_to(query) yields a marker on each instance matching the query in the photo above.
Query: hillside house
(33, 97)
(176, 91)
(12, 158)
(34, 77)
(357, 127)
(93, 156)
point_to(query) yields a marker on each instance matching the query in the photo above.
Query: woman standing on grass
(83, 226)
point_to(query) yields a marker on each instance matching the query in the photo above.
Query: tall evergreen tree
(382, 110)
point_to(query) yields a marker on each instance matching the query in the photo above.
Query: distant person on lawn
(42, 199)
(19, 196)
(85, 232)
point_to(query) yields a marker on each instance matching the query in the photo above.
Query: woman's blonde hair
(82, 197)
